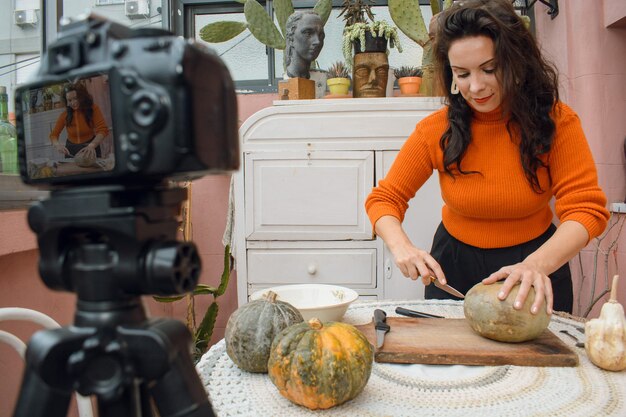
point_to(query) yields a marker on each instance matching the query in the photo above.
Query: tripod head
(113, 243)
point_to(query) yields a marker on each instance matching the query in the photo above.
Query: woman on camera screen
(84, 123)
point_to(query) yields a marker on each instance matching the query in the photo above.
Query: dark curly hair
(84, 99)
(528, 82)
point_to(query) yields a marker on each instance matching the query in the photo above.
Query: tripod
(110, 245)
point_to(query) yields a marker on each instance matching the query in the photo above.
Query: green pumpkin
(252, 327)
(320, 365)
(498, 320)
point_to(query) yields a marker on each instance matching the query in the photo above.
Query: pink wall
(591, 59)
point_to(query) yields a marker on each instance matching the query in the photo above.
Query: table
(432, 390)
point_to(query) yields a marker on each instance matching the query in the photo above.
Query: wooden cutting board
(453, 342)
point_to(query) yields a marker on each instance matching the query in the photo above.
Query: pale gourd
(606, 335)
(251, 329)
(85, 159)
(498, 320)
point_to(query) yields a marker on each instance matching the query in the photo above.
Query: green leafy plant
(201, 334)
(356, 33)
(260, 23)
(355, 11)
(338, 70)
(407, 71)
(407, 15)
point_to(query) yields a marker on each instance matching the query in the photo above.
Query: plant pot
(409, 85)
(338, 86)
(372, 44)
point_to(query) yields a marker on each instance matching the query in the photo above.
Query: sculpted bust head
(371, 71)
(304, 42)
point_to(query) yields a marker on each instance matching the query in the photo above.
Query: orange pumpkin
(320, 365)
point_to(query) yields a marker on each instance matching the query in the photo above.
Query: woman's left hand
(528, 276)
(89, 151)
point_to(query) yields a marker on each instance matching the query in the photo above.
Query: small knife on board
(381, 326)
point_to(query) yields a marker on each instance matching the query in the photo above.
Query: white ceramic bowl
(326, 302)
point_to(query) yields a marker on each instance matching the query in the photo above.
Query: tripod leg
(39, 399)
(179, 392)
(41, 392)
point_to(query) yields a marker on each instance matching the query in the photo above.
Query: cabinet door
(420, 223)
(308, 195)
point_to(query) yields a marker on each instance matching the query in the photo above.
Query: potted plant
(338, 79)
(409, 79)
(363, 32)
(407, 15)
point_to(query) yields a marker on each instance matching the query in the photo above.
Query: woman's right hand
(413, 262)
(60, 148)
(416, 263)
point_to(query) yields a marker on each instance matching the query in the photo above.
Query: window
(257, 68)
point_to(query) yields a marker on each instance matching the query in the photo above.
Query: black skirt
(466, 265)
(74, 148)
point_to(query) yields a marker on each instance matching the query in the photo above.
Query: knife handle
(412, 313)
(380, 320)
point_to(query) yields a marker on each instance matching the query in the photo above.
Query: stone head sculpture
(303, 42)
(371, 71)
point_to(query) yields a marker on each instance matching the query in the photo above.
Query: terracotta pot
(338, 86)
(409, 85)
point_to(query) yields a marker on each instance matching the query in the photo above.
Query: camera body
(168, 106)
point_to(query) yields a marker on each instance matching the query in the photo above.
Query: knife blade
(381, 326)
(446, 287)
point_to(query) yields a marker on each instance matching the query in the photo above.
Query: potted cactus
(260, 23)
(338, 79)
(409, 80)
(363, 33)
(407, 15)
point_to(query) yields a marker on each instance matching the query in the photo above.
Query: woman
(83, 121)
(503, 147)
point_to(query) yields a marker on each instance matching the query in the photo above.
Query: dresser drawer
(354, 268)
(308, 195)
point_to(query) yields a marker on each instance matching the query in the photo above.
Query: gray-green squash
(251, 329)
(498, 320)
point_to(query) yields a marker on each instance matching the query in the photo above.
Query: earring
(454, 89)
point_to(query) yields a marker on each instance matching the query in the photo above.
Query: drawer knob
(312, 269)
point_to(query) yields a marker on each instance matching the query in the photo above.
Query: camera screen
(68, 128)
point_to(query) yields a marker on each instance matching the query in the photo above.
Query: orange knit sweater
(79, 131)
(496, 208)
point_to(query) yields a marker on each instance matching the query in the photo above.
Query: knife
(381, 326)
(412, 313)
(446, 287)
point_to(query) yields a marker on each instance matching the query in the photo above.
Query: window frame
(183, 15)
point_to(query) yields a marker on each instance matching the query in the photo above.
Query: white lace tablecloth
(432, 390)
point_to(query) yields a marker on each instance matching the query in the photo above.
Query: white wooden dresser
(307, 168)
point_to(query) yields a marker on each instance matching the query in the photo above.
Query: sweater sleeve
(58, 127)
(574, 176)
(413, 165)
(100, 125)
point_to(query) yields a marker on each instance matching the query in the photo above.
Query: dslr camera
(167, 104)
